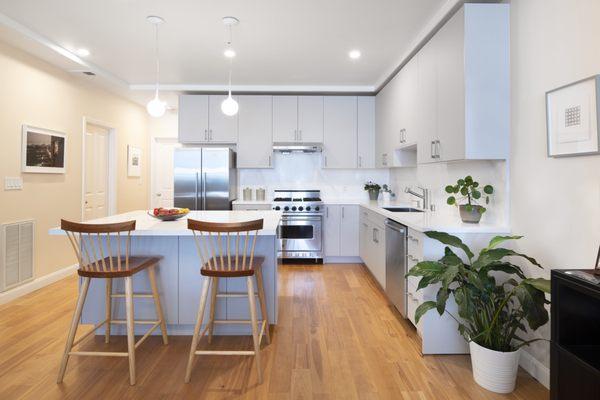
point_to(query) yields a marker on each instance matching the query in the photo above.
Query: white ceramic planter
(494, 370)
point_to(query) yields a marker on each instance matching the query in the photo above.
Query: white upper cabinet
(464, 86)
(221, 128)
(202, 121)
(383, 113)
(298, 119)
(255, 138)
(193, 118)
(366, 131)
(310, 119)
(285, 118)
(406, 130)
(340, 134)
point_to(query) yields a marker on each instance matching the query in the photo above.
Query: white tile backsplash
(304, 171)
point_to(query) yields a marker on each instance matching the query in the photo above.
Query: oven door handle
(301, 218)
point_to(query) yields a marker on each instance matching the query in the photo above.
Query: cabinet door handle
(300, 135)
(206, 135)
(269, 161)
(432, 149)
(437, 151)
(327, 211)
(325, 160)
(342, 211)
(359, 161)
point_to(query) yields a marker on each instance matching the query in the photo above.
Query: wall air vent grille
(16, 262)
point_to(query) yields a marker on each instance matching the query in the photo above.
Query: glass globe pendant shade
(156, 107)
(229, 106)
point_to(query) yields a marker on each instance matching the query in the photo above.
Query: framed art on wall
(572, 118)
(134, 160)
(43, 150)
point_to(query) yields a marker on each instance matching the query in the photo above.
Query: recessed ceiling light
(354, 54)
(82, 52)
(229, 53)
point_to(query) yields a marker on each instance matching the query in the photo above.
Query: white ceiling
(278, 42)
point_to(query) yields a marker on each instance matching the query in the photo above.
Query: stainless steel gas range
(300, 231)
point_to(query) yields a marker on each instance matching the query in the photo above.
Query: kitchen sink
(403, 209)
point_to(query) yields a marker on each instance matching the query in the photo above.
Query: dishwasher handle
(395, 226)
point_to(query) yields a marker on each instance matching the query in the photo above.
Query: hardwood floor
(337, 338)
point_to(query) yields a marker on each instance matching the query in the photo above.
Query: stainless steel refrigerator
(205, 178)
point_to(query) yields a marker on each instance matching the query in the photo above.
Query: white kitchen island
(178, 273)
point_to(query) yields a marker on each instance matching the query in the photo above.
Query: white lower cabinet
(341, 231)
(372, 243)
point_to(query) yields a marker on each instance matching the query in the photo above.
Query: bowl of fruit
(169, 214)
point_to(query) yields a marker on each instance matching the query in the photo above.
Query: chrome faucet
(424, 195)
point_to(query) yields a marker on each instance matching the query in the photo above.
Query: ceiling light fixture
(82, 52)
(156, 107)
(229, 106)
(354, 54)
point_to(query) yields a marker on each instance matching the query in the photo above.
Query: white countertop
(428, 221)
(252, 202)
(147, 225)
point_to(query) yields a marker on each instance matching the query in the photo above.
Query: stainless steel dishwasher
(395, 265)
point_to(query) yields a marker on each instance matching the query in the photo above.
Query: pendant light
(229, 106)
(156, 107)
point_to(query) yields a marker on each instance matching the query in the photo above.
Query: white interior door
(95, 197)
(162, 173)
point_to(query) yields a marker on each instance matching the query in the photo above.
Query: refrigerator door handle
(204, 191)
(196, 198)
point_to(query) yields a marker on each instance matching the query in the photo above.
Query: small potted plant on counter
(373, 189)
(470, 191)
(491, 315)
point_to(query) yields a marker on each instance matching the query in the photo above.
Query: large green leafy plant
(490, 312)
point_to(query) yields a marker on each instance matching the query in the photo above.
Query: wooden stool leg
(253, 319)
(73, 329)
(195, 338)
(211, 322)
(108, 306)
(130, 328)
(157, 305)
(263, 304)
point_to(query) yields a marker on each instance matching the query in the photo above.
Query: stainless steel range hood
(297, 147)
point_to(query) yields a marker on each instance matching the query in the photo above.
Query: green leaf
(488, 189)
(487, 256)
(456, 189)
(476, 194)
(451, 200)
(464, 191)
(503, 267)
(449, 189)
(469, 207)
(539, 283)
(496, 240)
(423, 308)
(532, 300)
(482, 209)
(450, 258)
(469, 180)
(442, 297)
(450, 240)
(475, 184)
(460, 182)
(426, 268)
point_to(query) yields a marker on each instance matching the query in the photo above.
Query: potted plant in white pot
(491, 313)
(373, 189)
(471, 192)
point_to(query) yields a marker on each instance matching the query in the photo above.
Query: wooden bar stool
(92, 245)
(218, 262)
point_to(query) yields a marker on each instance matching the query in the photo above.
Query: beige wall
(35, 93)
(555, 203)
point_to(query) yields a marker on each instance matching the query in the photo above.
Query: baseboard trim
(535, 368)
(36, 284)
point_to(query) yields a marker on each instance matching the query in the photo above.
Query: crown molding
(185, 87)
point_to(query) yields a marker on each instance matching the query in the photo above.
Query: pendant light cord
(157, 58)
(231, 59)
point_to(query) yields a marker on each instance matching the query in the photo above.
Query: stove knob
(277, 208)
(286, 208)
(294, 208)
(300, 208)
(317, 208)
(307, 208)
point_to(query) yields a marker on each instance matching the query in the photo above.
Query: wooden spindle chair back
(214, 244)
(93, 248)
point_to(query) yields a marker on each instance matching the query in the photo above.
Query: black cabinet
(575, 349)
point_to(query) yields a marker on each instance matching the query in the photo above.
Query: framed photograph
(43, 150)
(134, 161)
(572, 119)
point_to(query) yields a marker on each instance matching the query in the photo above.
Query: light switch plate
(13, 183)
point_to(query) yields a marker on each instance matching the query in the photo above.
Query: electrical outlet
(13, 183)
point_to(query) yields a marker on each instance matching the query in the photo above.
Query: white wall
(436, 177)
(303, 171)
(555, 203)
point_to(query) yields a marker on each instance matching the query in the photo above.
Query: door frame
(154, 141)
(112, 164)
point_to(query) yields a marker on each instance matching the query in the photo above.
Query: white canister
(247, 194)
(260, 194)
